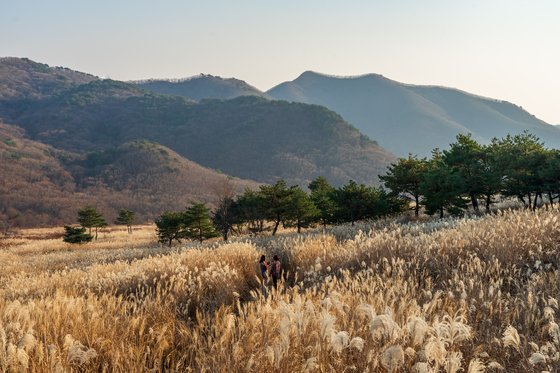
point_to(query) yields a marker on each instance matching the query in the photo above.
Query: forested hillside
(202, 87)
(70, 139)
(247, 137)
(23, 78)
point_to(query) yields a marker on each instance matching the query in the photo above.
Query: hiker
(275, 270)
(263, 266)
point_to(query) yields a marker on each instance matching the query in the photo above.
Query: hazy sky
(503, 49)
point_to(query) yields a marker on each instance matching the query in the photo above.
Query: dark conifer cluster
(465, 176)
(469, 174)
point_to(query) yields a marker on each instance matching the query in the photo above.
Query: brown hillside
(44, 186)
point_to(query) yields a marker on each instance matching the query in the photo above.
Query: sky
(508, 50)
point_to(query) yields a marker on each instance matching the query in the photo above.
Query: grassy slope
(385, 297)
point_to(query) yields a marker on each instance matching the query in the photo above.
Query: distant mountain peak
(408, 118)
(200, 87)
(310, 74)
(22, 77)
(200, 76)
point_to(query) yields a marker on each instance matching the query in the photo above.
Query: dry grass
(456, 295)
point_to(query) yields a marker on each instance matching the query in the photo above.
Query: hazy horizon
(501, 49)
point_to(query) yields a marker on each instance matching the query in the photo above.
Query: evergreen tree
(322, 196)
(442, 188)
(251, 209)
(550, 175)
(492, 174)
(198, 223)
(89, 218)
(387, 203)
(301, 211)
(126, 217)
(276, 199)
(405, 177)
(465, 158)
(170, 226)
(521, 157)
(354, 202)
(76, 235)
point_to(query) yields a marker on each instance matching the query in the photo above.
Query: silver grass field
(457, 295)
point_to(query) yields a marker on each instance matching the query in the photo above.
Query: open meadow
(472, 295)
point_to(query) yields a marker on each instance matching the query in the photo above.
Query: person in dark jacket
(275, 270)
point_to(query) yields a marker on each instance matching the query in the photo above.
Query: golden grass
(445, 296)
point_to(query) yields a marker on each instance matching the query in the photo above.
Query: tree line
(272, 206)
(468, 174)
(291, 206)
(90, 219)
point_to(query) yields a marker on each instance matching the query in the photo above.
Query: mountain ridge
(200, 87)
(22, 77)
(70, 120)
(408, 118)
(248, 136)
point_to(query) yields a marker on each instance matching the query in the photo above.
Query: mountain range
(202, 87)
(70, 138)
(415, 119)
(94, 133)
(403, 118)
(247, 137)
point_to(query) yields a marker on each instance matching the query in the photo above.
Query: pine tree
(442, 188)
(198, 223)
(387, 203)
(354, 202)
(492, 175)
(276, 201)
(405, 177)
(170, 226)
(251, 209)
(126, 217)
(301, 212)
(465, 157)
(89, 218)
(322, 195)
(520, 157)
(76, 235)
(550, 174)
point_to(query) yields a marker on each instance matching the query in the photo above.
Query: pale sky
(508, 50)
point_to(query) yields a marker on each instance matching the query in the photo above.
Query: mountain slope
(487, 117)
(202, 87)
(22, 78)
(406, 118)
(249, 137)
(41, 185)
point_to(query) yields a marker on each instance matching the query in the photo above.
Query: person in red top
(275, 270)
